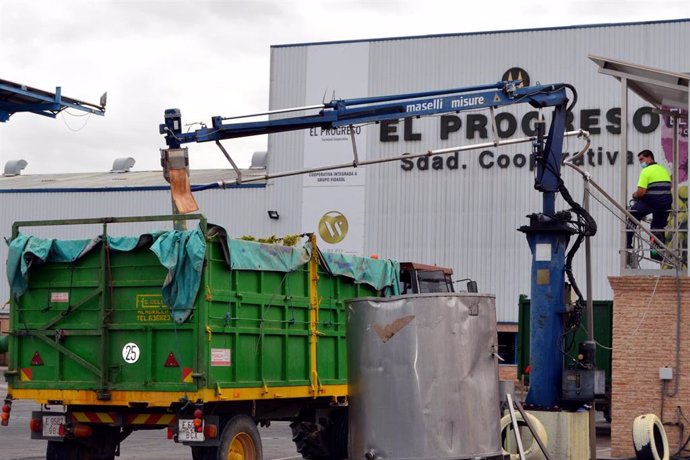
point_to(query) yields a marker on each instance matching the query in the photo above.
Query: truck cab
(416, 278)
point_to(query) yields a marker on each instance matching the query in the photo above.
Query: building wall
(467, 218)
(285, 149)
(644, 339)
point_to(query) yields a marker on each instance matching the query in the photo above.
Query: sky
(211, 58)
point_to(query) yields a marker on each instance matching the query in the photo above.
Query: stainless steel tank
(423, 377)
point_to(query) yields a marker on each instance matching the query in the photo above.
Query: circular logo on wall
(333, 227)
(516, 73)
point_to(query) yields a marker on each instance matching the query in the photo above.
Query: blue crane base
(548, 241)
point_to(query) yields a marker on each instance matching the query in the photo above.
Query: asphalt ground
(16, 442)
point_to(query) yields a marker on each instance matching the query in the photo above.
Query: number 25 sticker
(130, 353)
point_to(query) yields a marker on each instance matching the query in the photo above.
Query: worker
(653, 196)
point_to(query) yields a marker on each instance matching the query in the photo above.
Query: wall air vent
(259, 160)
(14, 167)
(122, 165)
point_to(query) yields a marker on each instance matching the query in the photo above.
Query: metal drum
(423, 377)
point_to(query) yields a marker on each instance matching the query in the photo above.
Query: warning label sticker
(220, 357)
(59, 297)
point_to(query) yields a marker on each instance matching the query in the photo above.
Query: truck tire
(310, 440)
(240, 440)
(649, 438)
(325, 440)
(531, 451)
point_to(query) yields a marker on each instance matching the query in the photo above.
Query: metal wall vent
(14, 167)
(122, 165)
(259, 160)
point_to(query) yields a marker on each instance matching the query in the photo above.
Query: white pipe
(428, 153)
(271, 112)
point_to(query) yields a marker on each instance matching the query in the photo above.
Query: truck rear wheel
(240, 440)
(325, 440)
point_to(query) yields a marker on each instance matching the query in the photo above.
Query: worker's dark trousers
(659, 207)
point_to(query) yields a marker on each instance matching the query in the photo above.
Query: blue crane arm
(17, 97)
(341, 112)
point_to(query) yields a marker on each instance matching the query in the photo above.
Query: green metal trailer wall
(98, 329)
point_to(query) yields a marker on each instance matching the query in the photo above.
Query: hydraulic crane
(17, 97)
(548, 232)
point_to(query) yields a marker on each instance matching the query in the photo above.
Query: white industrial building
(465, 217)
(462, 213)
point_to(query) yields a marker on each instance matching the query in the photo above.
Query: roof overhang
(656, 86)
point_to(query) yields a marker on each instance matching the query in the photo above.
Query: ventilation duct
(122, 165)
(259, 160)
(14, 167)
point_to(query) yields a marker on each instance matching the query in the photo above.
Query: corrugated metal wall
(288, 70)
(241, 211)
(467, 218)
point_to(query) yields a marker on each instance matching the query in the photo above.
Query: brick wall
(644, 339)
(507, 372)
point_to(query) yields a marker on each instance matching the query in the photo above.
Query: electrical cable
(646, 310)
(83, 114)
(678, 318)
(683, 446)
(595, 341)
(572, 90)
(586, 227)
(75, 129)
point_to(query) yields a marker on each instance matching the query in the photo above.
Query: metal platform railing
(671, 255)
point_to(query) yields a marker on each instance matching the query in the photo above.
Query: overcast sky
(212, 58)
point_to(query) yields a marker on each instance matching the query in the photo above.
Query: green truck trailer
(188, 331)
(603, 323)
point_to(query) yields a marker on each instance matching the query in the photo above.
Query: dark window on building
(507, 347)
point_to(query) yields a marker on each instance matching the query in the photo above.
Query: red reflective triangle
(36, 360)
(171, 361)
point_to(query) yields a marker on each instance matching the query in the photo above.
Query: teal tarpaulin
(250, 255)
(381, 274)
(25, 250)
(181, 252)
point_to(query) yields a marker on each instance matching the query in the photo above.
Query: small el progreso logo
(333, 227)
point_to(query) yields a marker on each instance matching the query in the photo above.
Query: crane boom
(341, 112)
